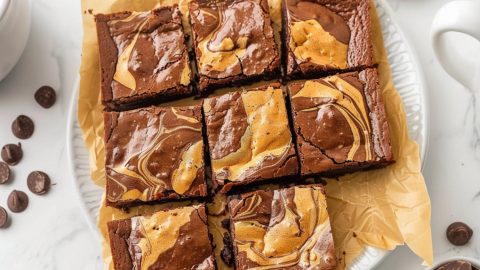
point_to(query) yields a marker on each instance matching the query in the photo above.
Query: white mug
(464, 17)
(14, 30)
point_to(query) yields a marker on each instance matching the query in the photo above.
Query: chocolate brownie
(173, 239)
(154, 154)
(282, 229)
(340, 123)
(219, 226)
(324, 36)
(143, 58)
(233, 41)
(249, 137)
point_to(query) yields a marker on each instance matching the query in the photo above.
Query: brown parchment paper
(381, 208)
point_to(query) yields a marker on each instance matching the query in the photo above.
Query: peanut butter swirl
(287, 228)
(340, 96)
(154, 153)
(171, 239)
(150, 49)
(232, 37)
(249, 136)
(317, 35)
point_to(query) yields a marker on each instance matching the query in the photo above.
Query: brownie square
(340, 123)
(233, 41)
(173, 239)
(283, 229)
(154, 154)
(324, 36)
(143, 58)
(249, 137)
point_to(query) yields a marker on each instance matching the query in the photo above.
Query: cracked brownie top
(340, 123)
(249, 137)
(143, 57)
(233, 41)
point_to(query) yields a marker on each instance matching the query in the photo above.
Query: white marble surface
(52, 232)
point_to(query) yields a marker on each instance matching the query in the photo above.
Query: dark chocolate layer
(340, 123)
(282, 229)
(154, 154)
(143, 57)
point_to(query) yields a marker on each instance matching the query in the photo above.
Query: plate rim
(372, 255)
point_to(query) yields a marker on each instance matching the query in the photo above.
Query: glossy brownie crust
(249, 137)
(340, 123)
(143, 58)
(346, 30)
(174, 239)
(282, 229)
(234, 42)
(154, 154)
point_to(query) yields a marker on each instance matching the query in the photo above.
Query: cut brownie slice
(219, 226)
(233, 42)
(340, 123)
(154, 154)
(173, 239)
(282, 229)
(143, 58)
(249, 137)
(324, 36)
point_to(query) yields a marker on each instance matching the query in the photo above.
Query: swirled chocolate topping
(173, 239)
(249, 137)
(337, 121)
(318, 35)
(233, 39)
(153, 154)
(282, 229)
(326, 36)
(142, 55)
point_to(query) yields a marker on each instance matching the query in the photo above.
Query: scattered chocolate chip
(23, 127)
(4, 172)
(38, 182)
(227, 256)
(456, 265)
(226, 224)
(17, 201)
(12, 154)
(458, 233)
(3, 217)
(46, 96)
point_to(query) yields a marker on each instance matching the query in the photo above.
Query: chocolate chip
(17, 201)
(3, 218)
(458, 233)
(4, 172)
(227, 256)
(23, 127)
(45, 96)
(456, 265)
(226, 224)
(12, 154)
(38, 182)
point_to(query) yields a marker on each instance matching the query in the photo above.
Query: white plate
(407, 78)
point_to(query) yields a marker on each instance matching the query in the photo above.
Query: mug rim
(471, 260)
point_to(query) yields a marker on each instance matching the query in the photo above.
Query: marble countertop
(53, 234)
